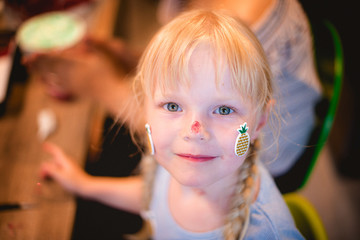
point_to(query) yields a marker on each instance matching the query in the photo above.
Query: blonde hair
(164, 65)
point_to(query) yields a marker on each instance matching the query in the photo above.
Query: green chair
(329, 61)
(305, 216)
(330, 69)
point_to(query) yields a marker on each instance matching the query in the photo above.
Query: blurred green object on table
(50, 31)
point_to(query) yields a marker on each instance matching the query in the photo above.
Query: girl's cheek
(161, 134)
(227, 141)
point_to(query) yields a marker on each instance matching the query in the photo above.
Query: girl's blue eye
(223, 110)
(172, 107)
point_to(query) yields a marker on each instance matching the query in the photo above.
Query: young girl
(203, 89)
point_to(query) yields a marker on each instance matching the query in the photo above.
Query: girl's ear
(263, 118)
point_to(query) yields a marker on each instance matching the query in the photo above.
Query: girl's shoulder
(270, 217)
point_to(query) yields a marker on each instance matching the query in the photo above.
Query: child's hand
(63, 170)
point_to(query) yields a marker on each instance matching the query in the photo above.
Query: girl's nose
(195, 127)
(196, 131)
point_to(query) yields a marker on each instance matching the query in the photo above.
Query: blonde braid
(238, 218)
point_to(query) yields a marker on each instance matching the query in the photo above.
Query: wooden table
(21, 155)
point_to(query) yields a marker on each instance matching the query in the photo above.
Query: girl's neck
(200, 209)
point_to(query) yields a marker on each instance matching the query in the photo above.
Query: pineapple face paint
(150, 141)
(242, 142)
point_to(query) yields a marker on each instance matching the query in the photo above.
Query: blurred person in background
(66, 75)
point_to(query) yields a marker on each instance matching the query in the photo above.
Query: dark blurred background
(345, 136)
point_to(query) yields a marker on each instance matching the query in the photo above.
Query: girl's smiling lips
(196, 158)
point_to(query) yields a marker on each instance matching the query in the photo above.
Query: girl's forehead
(211, 68)
(203, 50)
(181, 71)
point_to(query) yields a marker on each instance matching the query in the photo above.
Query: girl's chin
(192, 181)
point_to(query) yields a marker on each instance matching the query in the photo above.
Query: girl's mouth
(196, 158)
